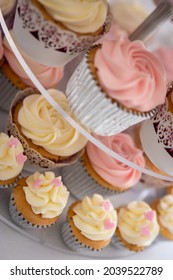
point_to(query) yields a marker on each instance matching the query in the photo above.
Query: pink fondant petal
(21, 158)
(149, 215)
(37, 183)
(145, 231)
(57, 182)
(13, 142)
(106, 205)
(108, 224)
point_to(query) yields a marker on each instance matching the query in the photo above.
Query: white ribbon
(80, 129)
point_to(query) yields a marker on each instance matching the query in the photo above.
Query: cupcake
(164, 209)
(90, 224)
(8, 8)
(128, 14)
(49, 77)
(12, 160)
(38, 200)
(137, 225)
(58, 32)
(116, 85)
(48, 140)
(98, 171)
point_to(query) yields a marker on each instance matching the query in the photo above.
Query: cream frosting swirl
(165, 212)
(46, 194)
(95, 218)
(112, 170)
(6, 6)
(47, 76)
(41, 123)
(128, 15)
(11, 157)
(81, 16)
(138, 224)
(130, 74)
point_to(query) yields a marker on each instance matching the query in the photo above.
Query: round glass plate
(52, 238)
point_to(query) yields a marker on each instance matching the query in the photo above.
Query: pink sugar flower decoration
(149, 215)
(145, 231)
(57, 182)
(106, 205)
(37, 183)
(13, 143)
(21, 158)
(108, 224)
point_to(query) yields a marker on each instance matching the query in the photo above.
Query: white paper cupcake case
(80, 183)
(93, 109)
(8, 91)
(5, 186)
(18, 218)
(70, 240)
(56, 45)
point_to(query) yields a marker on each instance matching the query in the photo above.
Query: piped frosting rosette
(116, 85)
(46, 194)
(48, 140)
(58, 32)
(12, 160)
(98, 172)
(137, 225)
(91, 222)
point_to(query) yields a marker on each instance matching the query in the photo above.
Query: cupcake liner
(56, 45)
(71, 241)
(117, 243)
(8, 91)
(81, 184)
(19, 219)
(11, 185)
(156, 135)
(33, 156)
(94, 109)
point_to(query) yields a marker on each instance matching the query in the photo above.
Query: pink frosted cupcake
(48, 76)
(117, 85)
(12, 160)
(99, 172)
(165, 55)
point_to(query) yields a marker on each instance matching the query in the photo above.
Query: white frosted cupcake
(137, 225)
(164, 209)
(98, 172)
(48, 139)
(90, 224)
(12, 160)
(56, 30)
(38, 200)
(116, 85)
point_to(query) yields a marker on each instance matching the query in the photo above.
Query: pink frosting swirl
(47, 76)
(112, 170)
(165, 55)
(130, 74)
